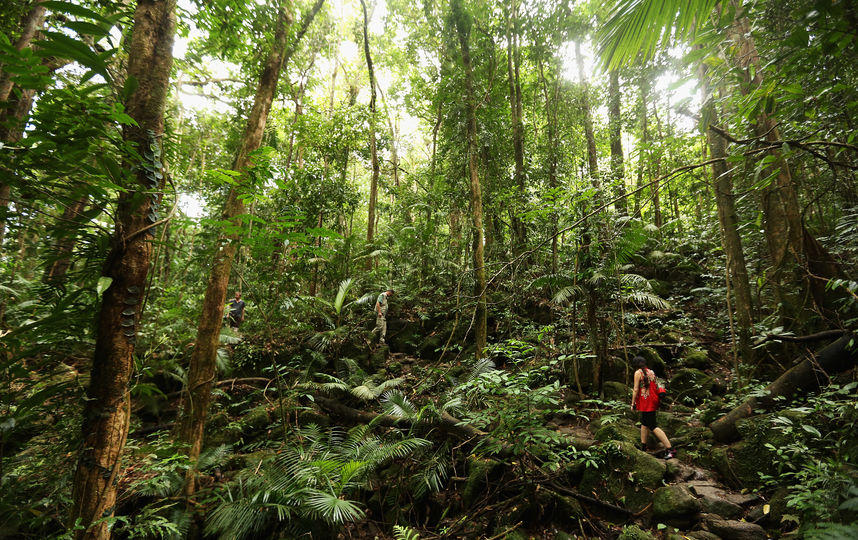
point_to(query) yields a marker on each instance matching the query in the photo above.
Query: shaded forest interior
(548, 191)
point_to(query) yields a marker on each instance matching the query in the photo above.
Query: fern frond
(395, 403)
(567, 293)
(643, 299)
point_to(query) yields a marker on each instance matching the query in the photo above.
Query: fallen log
(807, 376)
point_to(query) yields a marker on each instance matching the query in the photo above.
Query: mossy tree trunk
(107, 409)
(463, 29)
(201, 373)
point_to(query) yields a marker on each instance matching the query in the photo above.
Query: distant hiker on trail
(236, 311)
(645, 399)
(381, 315)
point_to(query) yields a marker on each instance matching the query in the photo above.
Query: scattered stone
(627, 477)
(702, 535)
(720, 507)
(733, 529)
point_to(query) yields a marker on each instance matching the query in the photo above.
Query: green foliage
(305, 486)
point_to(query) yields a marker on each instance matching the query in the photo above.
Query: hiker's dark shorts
(648, 419)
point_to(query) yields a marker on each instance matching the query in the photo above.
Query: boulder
(733, 529)
(696, 358)
(377, 359)
(653, 360)
(616, 370)
(626, 477)
(672, 502)
(480, 473)
(702, 535)
(690, 385)
(620, 430)
(720, 507)
(617, 391)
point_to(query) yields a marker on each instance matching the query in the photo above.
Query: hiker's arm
(378, 308)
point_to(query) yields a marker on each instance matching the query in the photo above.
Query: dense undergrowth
(279, 463)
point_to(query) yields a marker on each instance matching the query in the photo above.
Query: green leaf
(75, 9)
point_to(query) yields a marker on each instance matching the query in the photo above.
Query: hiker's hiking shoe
(671, 453)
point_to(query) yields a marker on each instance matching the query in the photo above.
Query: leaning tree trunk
(67, 231)
(807, 376)
(373, 187)
(201, 374)
(463, 30)
(107, 409)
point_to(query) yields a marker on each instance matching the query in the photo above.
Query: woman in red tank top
(646, 401)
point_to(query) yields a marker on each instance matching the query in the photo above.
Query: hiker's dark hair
(639, 362)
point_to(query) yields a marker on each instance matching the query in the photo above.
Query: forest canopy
(391, 269)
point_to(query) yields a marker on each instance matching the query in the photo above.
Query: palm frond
(333, 509)
(342, 291)
(566, 294)
(643, 299)
(395, 403)
(635, 280)
(637, 28)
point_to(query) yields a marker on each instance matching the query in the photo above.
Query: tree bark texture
(463, 30)
(373, 187)
(615, 125)
(30, 26)
(799, 265)
(201, 374)
(809, 375)
(64, 246)
(107, 409)
(516, 113)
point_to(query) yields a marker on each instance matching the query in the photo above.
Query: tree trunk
(201, 373)
(793, 272)
(107, 408)
(463, 29)
(805, 377)
(643, 150)
(67, 229)
(516, 113)
(615, 126)
(592, 156)
(373, 187)
(30, 26)
(551, 105)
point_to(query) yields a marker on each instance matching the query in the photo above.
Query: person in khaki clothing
(381, 315)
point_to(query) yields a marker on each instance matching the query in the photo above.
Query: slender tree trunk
(592, 155)
(463, 30)
(643, 153)
(551, 105)
(373, 187)
(516, 114)
(107, 408)
(201, 374)
(64, 246)
(615, 126)
(722, 184)
(30, 26)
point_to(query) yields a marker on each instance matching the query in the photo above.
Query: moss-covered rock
(633, 532)
(621, 430)
(616, 370)
(720, 507)
(696, 358)
(626, 477)
(690, 385)
(255, 420)
(617, 390)
(654, 360)
(480, 473)
(673, 502)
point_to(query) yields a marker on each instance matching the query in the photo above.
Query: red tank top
(647, 398)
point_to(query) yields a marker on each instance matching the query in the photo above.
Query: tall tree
(108, 408)
(615, 125)
(516, 113)
(201, 373)
(462, 22)
(373, 187)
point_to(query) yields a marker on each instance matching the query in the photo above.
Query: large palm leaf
(637, 28)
